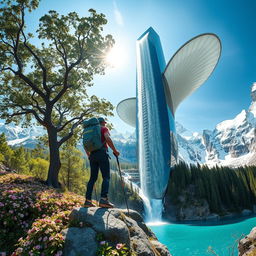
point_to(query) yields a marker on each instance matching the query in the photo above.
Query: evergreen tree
(5, 151)
(18, 160)
(38, 167)
(73, 174)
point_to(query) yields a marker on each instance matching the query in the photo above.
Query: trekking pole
(119, 169)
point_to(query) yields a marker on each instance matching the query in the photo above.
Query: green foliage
(225, 189)
(18, 160)
(73, 174)
(5, 151)
(107, 250)
(48, 84)
(38, 167)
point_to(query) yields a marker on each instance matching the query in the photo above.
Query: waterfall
(153, 209)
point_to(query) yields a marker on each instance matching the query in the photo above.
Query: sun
(116, 57)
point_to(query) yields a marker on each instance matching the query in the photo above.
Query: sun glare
(116, 57)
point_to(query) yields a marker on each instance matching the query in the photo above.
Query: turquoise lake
(192, 239)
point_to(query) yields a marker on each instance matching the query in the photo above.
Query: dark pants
(99, 160)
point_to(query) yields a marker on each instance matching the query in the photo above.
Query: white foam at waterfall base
(153, 210)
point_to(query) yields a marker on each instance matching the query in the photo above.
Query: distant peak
(254, 87)
(253, 92)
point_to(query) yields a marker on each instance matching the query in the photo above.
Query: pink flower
(37, 247)
(119, 246)
(19, 250)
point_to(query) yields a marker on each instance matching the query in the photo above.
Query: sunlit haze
(116, 57)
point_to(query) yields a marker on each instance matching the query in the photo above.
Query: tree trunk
(69, 171)
(54, 168)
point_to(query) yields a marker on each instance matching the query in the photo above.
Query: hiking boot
(89, 203)
(104, 203)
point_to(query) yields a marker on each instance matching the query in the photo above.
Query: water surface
(195, 239)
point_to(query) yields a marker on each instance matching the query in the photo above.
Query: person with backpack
(96, 139)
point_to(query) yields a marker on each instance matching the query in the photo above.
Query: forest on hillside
(224, 189)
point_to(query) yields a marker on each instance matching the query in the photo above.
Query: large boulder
(80, 241)
(116, 226)
(247, 245)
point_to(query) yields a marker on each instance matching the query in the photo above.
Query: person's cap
(101, 120)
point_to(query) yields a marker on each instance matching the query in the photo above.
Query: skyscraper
(160, 89)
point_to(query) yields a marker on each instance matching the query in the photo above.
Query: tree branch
(68, 69)
(90, 110)
(62, 114)
(31, 84)
(27, 111)
(65, 138)
(37, 104)
(63, 55)
(39, 63)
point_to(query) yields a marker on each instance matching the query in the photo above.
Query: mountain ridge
(231, 143)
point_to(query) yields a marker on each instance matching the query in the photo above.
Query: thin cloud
(118, 15)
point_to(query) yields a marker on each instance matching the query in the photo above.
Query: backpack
(92, 135)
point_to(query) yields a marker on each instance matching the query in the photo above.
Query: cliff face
(111, 227)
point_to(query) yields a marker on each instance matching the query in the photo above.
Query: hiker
(99, 159)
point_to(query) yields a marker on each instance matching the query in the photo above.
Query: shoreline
(223, 220)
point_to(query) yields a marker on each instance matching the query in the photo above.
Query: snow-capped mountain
(18, 136)
(232, 142)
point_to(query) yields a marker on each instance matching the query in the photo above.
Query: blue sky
(223, 95)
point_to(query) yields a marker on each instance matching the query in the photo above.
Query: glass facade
(160, 89)
(153, 120)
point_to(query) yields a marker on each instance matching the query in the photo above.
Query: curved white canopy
(187, 70)
(126, 109)
(190, 67)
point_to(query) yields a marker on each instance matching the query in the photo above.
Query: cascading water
(153, 209)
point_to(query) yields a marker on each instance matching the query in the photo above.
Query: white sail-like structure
(190, 67)
(126, 110)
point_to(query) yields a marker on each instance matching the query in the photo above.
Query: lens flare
(116, 57)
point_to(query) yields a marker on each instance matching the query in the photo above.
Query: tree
(5, 151)
(48, 84)
(18, 160)
(72, 172)
(38, 167)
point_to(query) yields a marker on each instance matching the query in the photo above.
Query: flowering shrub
(105, 249)
(32, 217)
(24, 200)
(44, 238)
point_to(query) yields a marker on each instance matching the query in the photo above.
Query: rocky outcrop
(115, 226)
(247, 245)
